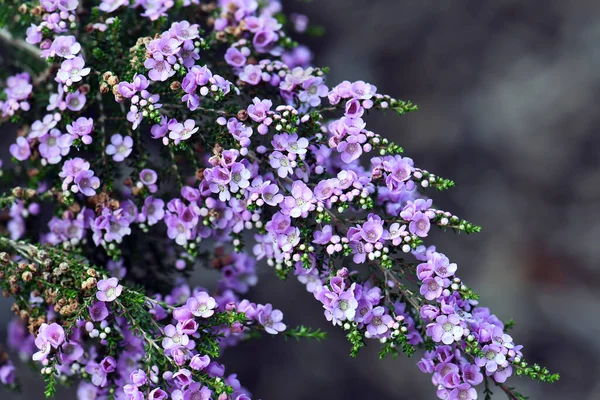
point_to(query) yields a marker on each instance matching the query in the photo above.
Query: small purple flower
(174, 338)
(81, 128)
(199, 362)
(201, 305)
(65, 46)
(160, 69)
(258, 111)
(447, 329)
(98, 311)
(252, 74)
(419, 225)
(153, 210)
(182, 131)
(72, 70)
(235, 57)
(432, 288)
(313, 90)
(54, 145)
(120, 147)
(138, 378)
(87, 183)
(351, 148)
(7, 374)
(281, 163)
(20, 150)
(55, 334)
(108, 289)
(75, 101)
(463, 392)
(372, 230)
(493, 358)
(158, 394)
(270, 319)
(378, 321)
(300, 202)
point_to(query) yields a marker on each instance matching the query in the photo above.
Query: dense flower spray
(160, 136)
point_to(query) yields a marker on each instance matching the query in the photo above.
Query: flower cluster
(209, 141)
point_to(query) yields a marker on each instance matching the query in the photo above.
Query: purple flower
(7, 374)
(109, 6)
(72, 70)
(98, 311)
(252, 74)
(281, 163)
(81, 128)
(138, 378)
(75, 101)
(432, 288)
(463, 392)
(197, 392)
(153, 210)
(300, 202)
(199, 362)
(20, 150)
(378, 321)
(87, 183)
(493, 358)
(258, 111)
(372, 230)
(108, 289)
(120, 147)
(55, 334)
(158, 394)
(471, 374)
(313, 90)
(54, 145)
(447, 329)
(419, 225)
(179, 131)
(270, 319)
(201, 305)
(351, 148)
(64, 46)
(174, 338)
(235, 57)
(160, 69)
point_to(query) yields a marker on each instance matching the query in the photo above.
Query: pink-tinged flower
(182, 131)
(197, 392)
(75, 101)
(362, 90)
(108, 289)
(300, 202)
(42, 344)
(252, 74)
(432, 288)
(86, 182)
(81, 128)
(493, 357)
(54, 145)
(351, 148)
(270, 319)
(174, 338)
(258, 111)
(109, 6)
(64, 46)
(446, 329)
(463, 392)
(201, 305)
(120, 147)
(234, 57)
(20, 150)
(138, 378)
(420, 224)
(378, 321)
(199, 362)
(55, 334)
(160, 69)
(72, 70)
(153, 210)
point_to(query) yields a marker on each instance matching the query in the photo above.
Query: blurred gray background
(508, 93)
